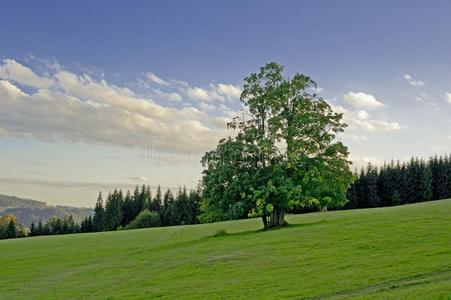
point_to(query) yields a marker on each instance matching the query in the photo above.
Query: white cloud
(363, 115)
(361, 120)
(139, 178)
(79, 108)
(448, 97)
(12, 70)
(422, 97)
(230, 91)
(200, 94)
(362, 100)
(153, 77)
(413, 81)
(171, 96)
(377, 125)
(220, 92)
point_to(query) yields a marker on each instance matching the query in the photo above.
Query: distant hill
(28, 210)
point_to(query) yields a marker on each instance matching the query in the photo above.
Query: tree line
(397, 183)
(137, 209)
(394, 183)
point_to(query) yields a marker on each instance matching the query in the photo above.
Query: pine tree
(148, 199)
(11, 231)
(40, 229)
(127, 209)
(99, 215)
(168, 200)
(448, 177)
(113, 210)
(425, 183)
(33, 229)
(137, 202)
(441, 179)
(157, 201)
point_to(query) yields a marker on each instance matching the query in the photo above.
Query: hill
(399, 252)
(28, 210)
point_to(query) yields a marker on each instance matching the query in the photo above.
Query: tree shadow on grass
(222, 232)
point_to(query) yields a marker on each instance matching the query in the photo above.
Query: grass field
(400, 252)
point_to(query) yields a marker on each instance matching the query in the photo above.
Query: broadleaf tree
(285, 153)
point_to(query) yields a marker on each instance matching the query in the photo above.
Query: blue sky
(98, 94)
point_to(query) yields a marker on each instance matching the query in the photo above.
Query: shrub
(145, 219)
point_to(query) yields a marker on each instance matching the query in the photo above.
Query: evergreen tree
(147, 199)
(168, 200)
(40, 229)
(138, 202)
(99, 215)
(425, 186)
(11, 231)
(157, 201)
(113, 210)
(33, 229)
(127, 209)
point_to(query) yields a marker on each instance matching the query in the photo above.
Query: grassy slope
(398, 252)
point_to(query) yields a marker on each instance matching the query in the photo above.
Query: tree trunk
(276, 218)
(265, 221)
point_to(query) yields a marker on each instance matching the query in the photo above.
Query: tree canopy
(285, 153)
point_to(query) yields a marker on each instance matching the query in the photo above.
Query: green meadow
(401, 252)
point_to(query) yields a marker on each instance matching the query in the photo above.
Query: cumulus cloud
(171, 96)
(198, 93)
(448, 97)
(362, 100)
(154, 78)
(75, 107)
(413, 81)
(229, 91)
(363, 115)
(219, 92)
(12, 70)
(362, 121)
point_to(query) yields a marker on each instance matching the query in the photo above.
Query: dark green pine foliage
(409, 182)
(156, 203)
(11, 231)
(99, 215)
(352, 195)
(168, 209)
(127, 209)
(113, 210)
(147, 199)
(87, 225)
(447, 163)
(33, 229)
(425, 193)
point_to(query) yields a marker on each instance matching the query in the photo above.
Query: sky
(97, 95)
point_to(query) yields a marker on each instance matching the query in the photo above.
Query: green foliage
(399, 183)
(113, 210)
(145, 219)
(267, 179)
(10, 228)
(99, 215)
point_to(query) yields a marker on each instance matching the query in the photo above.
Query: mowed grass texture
(400, 252)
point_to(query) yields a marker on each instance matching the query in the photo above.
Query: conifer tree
(113, 210)
(127, 209)
(99, 214)
(157, 201)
